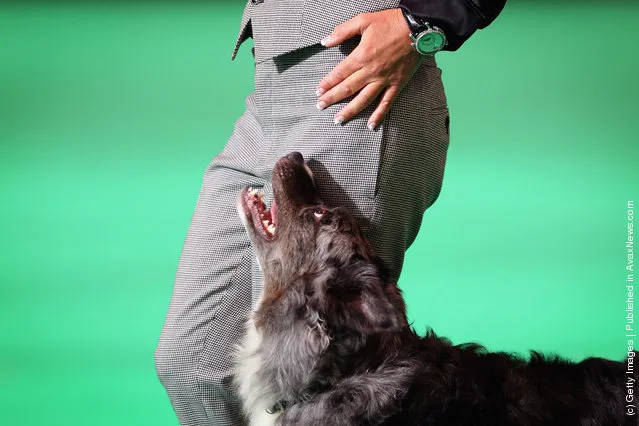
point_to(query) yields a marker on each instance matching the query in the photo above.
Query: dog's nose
(296, 157)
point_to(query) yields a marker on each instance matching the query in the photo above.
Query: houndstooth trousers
(386, 178)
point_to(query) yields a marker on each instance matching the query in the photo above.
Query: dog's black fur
(336, 348)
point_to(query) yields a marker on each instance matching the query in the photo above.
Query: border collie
(328, 343)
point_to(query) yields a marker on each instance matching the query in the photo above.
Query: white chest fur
(256, 395)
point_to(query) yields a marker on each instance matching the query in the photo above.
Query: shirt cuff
(459, 19)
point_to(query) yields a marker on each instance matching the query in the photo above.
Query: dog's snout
(296, 157)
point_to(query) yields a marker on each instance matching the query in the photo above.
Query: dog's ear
(356, 297)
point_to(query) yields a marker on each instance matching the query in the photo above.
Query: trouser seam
(198, 379)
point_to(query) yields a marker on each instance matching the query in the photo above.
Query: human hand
(382, 63)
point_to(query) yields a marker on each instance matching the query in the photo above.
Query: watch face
(430, 42)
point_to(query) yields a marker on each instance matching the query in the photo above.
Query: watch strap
(415, 23)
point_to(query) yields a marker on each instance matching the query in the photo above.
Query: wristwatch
(427, 39)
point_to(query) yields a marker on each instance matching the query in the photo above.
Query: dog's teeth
(260, 195)
(271, 228)
(265, 223)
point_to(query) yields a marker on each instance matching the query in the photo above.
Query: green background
(109, 115)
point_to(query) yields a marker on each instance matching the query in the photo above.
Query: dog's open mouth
(264, 220)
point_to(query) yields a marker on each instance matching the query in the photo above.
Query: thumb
(351, 28)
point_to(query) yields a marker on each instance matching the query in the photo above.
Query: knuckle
(363, 17)
(376, 69)
(339, 75)
(327, 99)
(364, 52)
(359, 20)
(346, 90)
(328, 82)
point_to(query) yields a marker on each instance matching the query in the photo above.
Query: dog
(328, 343)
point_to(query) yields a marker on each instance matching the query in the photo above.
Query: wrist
(427, 39)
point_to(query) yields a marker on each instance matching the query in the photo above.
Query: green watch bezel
(429, 31)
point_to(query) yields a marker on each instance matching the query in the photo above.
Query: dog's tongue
(274, 213)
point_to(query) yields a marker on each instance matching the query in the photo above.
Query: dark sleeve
(458, 18)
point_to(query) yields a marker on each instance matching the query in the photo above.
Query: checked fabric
(386, 178)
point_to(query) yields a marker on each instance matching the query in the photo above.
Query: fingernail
(320, 91)
(339, 119)
(371, 126)
(321, 105)
(325, 40)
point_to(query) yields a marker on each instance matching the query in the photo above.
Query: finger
(346, 30)
(384, 106)
(348, 87)
(344, 71)
(363, 99)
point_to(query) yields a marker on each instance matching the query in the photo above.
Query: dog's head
(315, 256)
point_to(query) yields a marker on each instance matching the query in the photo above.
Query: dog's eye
(319, 212)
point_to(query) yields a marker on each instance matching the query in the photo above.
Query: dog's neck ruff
(283, 404)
